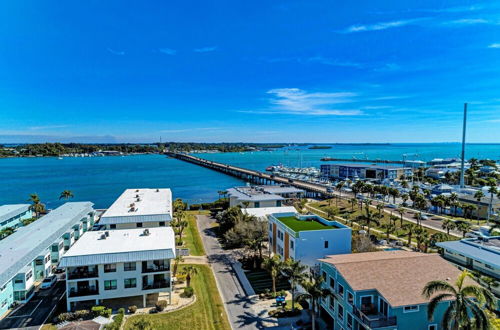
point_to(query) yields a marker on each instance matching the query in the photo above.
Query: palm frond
(431, 307)
(449, 317)
(435, 286)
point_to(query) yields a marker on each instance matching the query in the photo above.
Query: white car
(48, 282)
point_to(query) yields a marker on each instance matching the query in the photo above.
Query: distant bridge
(313, 189)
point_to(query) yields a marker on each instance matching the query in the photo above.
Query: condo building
(263, 196)
(28, 255)
(105, 265)
(139, 208)
(364, 171)
(11, 216)
(383, 290)
(307, 237)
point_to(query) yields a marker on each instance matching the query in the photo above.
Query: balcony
(155, 268)
(83, 292)
(82, 273)
(156, 285)
(374, 320)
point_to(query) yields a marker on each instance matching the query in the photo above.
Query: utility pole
(462, 168)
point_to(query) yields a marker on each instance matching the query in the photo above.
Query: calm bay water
(102, 179)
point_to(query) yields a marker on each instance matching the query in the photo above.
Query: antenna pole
(462, 168)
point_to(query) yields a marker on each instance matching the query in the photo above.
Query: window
(29, 275)
(410, 309)
(162, 224)
(257, 204)
(326, 244)
(129, 266)
(110, 285)
(55, 248)
(349, 321)
(341, 290)
(112, 226)
(383, 307)
(291, 245)
(110, 268)
(332, 303)
(340, 312)
(323, 274)
(350, 298)
(432, 327)
(332, 283)
(139, 225)
(130, 283)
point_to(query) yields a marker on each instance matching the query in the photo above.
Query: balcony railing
(155, 268)
(83, 292)
(376, 320)
(75, 275)
(156, 285)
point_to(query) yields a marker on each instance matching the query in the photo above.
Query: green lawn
(205, 314)
(192, 237)
(302, 225)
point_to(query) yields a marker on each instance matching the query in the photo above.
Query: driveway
(239, 307)
(34, 313)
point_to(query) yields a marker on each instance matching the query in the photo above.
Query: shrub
(64, 317)
(188, 292)
(161, 305)
(81, 314)
(107, 312)
(117, 321)
(132, 309)
(101, 311)
(121, 311)
(180, 278)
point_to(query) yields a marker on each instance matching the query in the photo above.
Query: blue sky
(259, 71)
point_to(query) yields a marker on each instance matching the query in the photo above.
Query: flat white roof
(121, 246)
(260, 212)
(143, 203)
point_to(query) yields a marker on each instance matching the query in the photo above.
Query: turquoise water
(102, 179)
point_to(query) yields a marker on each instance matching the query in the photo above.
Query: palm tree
(178, 259)
(274, 266)
(353, 201)
(467, 301)
(339, 187)
(405, 197)
(492, 190)
(411, 228)
(314, 292)
(189, 271)
(36, 205)
(294, 272)
(331, 212)
(422, 239)
(401, 212)
(464, 227)
(389, 228)
(6, 232)
(490, 282)
(380, 208)
(478, 196)
(66, 194)
(453, 198)
(369, 217)
(448, 225)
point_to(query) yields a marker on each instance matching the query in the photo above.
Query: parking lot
(33, 314)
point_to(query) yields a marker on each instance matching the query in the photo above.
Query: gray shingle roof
(22, 247)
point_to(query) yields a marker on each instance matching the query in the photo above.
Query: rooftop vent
(137, 196)
(106, 233)
(137, 190)
(146, 232)
(157, 190)
(103, 236)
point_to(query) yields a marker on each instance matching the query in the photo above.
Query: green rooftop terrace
(302, 225)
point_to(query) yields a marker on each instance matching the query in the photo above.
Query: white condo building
(139, 208)
(119, 263)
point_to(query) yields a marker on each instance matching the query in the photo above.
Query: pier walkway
(313, 189)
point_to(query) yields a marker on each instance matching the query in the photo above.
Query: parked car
(424, 217)
(392, 206)
(59, 270)
(48, 282)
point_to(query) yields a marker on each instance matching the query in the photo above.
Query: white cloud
(300, 102)
(116, 52)
(36, 128)
(495, 45)
(168, 51)
(205, 49)
(468, 21)
(379, 26)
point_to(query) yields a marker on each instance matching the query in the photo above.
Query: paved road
(238, 305)
(33, 314)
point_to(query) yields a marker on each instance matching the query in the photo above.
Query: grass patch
(206, 313)
(301, 225)
(192, 237)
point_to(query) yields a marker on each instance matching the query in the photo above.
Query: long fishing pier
(313, 189)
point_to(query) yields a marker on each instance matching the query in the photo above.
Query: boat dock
(313, 189)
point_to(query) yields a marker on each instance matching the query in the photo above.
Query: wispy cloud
(116, 52)
(380, 25)
(495, 45)
(168, 51)
(205, 49)
(37, 128)
(469, 21)
(194, 129)
(299, 102)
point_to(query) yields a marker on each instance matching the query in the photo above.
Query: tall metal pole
(462, 169)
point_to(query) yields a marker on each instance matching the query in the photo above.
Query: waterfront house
(29, 255)
(139, 208)
(364, 172)
(382, 290)
(307, 237)
(123, 263)
(253, 197)
(12, 216)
